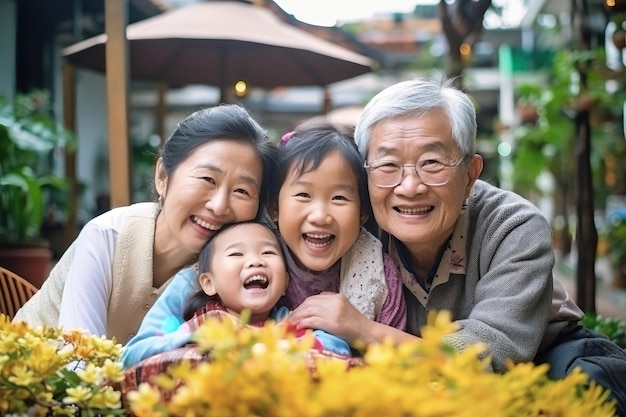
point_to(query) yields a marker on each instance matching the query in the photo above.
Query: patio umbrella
(221, 42)
(213, 43)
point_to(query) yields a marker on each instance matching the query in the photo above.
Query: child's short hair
(305, 148)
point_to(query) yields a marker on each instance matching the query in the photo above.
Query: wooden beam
(117, 64)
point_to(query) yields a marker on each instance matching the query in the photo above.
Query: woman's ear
(160, 178)
(206, 282)
(364, 217)
(272, 210)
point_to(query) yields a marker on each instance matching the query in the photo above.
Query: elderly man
(462, 245)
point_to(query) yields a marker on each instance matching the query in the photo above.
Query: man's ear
(160, 178)
(474, 171)
(206, 282)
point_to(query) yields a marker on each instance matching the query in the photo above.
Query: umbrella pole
(327, 101)
(224, 55)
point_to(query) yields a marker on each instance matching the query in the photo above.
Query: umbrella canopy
(221, 42)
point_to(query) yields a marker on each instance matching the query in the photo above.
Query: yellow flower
(22, 376)
(91, 374)
(9, 342)
(145, 395)
(259, 350)
(113, 371)
(37, 376)
(107, 398)
(265, 372)
(78, 394)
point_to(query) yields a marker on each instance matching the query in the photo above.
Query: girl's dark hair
(226, 121)
(305, 149)
(205, 258)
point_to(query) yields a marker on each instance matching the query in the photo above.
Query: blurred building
(35, 31)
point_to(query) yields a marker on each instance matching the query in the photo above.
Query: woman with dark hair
(212, 171)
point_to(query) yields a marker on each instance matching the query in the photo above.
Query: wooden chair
(14, 292)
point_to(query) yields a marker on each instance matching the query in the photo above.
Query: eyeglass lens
(391, 173)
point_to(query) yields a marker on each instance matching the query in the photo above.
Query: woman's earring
(160, 201)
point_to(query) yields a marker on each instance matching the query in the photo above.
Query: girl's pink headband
(286, 137)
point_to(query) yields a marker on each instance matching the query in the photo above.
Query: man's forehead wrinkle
(402, 131)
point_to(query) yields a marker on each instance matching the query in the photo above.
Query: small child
(241, 268)
(320, 209)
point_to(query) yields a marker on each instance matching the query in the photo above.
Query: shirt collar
(453, 258)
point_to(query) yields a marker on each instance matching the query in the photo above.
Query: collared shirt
(452, 260)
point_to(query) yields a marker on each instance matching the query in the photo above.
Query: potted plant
(28, 137)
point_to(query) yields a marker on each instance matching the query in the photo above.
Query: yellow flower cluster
(266, 372)
(46, 371)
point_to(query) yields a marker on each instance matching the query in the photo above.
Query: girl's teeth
(318, 236)
(318, 240)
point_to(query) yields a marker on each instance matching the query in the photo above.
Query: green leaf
(28, 135)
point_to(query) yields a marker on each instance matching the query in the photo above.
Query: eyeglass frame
(368, 167)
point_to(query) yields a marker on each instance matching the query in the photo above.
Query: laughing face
(217, 184)
(421, 216)
(319, 213)
(247, 270)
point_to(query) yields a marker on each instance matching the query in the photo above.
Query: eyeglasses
(389, 174)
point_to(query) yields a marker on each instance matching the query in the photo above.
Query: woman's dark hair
(305, 148)
(227, 121)
(205, 258)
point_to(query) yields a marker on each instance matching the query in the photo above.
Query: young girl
(321, 207)
(241, 268)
